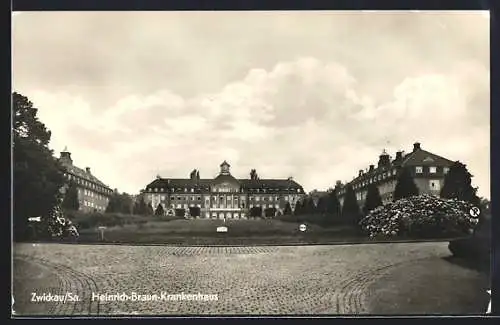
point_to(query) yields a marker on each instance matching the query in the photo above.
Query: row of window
(86, 183)
(92, 194)
(385, 175)
(264, 206)
(198, 198)
(91, 204)
(226, 190)
(432, 170)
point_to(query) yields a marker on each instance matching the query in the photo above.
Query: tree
(457, 185)
(322, 205)
(159, 210)
(332, 207)
(350, 208)
(288, 209)
(299, 208)
(38, 176)
(149, 209)
(405, 186)
(70, 201)
(309, 206)
(373, 199)
(140, 207)
(333, 204)
(120, 203)
(256, 212)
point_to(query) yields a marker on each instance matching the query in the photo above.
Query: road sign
(474, 211)
(221, 229)
(302, 227)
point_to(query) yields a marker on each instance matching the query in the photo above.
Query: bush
(423, 216)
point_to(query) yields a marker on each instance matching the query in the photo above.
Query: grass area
(135, 229)
(203, 232)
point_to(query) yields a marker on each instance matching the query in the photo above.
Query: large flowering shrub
(423, 216)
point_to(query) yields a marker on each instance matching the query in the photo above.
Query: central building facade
(223, 197)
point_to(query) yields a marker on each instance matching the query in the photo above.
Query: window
(161, 189)
(163, 197)
(432, 170)
(185, 189)
(192, 190)
(445, 170)
(257, 198)
(199, 198)
(155, 190)
(418, 169)
(178, 198)
(286, 198)
(434, 185)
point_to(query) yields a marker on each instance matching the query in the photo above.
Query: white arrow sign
(302, 227)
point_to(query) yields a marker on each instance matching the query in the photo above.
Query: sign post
(101, 232)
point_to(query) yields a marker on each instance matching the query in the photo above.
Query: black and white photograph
(250, 163)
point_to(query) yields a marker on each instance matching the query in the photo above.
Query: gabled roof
(72, 169)
(245, 183)
(422, 157)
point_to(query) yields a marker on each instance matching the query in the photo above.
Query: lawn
(198, 232)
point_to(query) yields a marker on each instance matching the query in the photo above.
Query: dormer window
(432, 170)
(419, 169)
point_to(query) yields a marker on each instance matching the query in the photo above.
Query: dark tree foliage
(299, 208)
(70, 201)
(405, 186)
(120, 203)
(195, 211)
(322, 205)
(149, 209)
(373, 199)
(180, 212)
(350, 209)
(288, 209)
(270, 212)
(458, 185)
(159, 210)
(309, 206)
(256, 212)
(333, 204)
(140, 207)
(38, 176)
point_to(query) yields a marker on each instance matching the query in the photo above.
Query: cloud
(320, 103)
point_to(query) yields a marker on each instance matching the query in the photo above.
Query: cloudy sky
(313, 95)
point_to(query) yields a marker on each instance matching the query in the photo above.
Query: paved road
(246, 280)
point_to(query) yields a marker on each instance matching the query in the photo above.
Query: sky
(314, 95)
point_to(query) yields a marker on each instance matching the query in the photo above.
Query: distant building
(428, 171)
(93, 195)
(224, 196)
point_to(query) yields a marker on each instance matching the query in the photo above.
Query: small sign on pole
(302, 227)
(101, 231)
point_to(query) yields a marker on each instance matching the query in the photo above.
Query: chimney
(360, 172)
(416, 146)
(87, 169)
(372, 168)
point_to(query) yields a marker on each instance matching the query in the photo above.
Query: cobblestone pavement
(247, 280)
